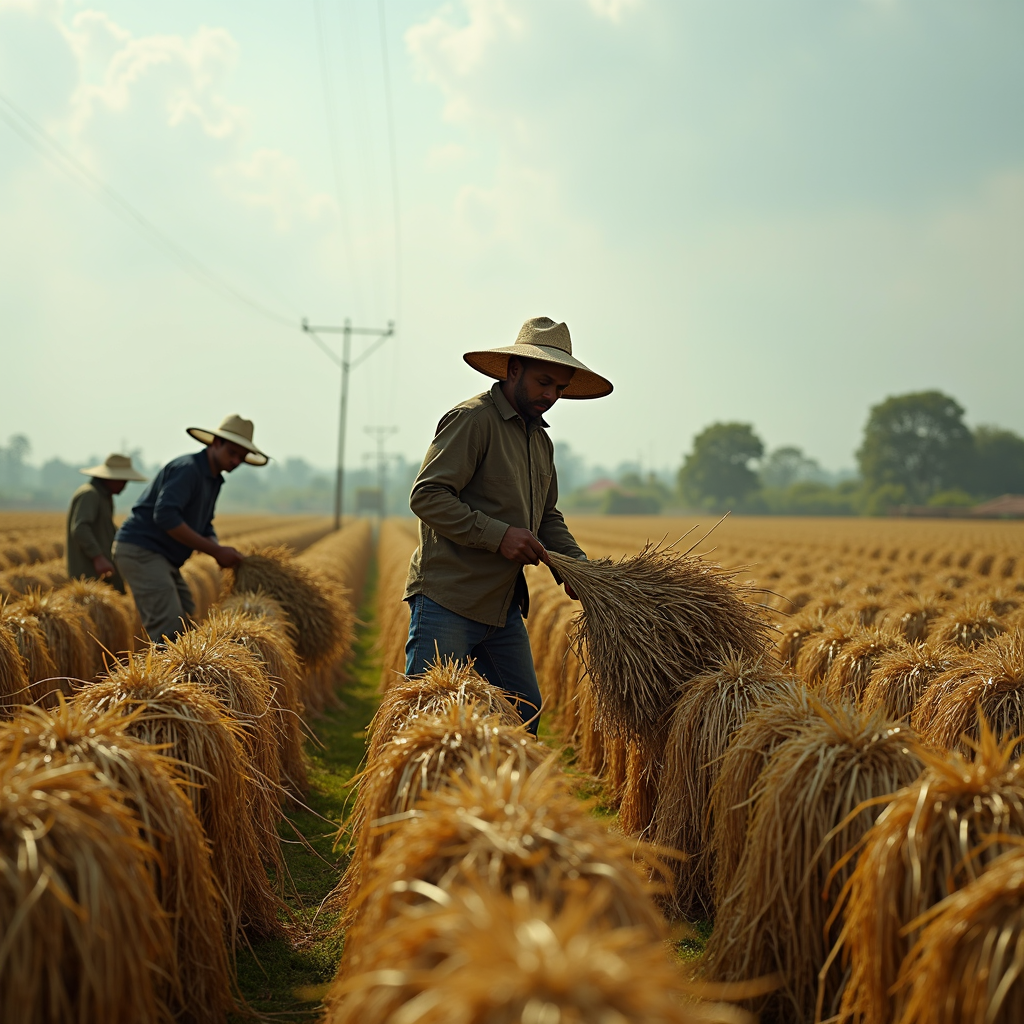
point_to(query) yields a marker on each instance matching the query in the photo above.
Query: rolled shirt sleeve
(86, 511)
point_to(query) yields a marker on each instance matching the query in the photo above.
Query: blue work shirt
(184, 491)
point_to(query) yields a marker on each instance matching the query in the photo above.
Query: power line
(50, 149)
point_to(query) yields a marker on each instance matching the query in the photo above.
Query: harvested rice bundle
(820, 650)
(991, 689)
(926, 844)
(476, 956)
(642, 782)
(517, 829)
(14, 684)
(709, 711)
(236, 678)
(262, 605)
(320, 637)
(445, 682)
(198, 731)
(197, 977)
(28, 635)
(766, 728)
(269, 642)
(968, 625)
(204, 579)
(83, 933)
(650, 621)
(913, 618)
(901, 676)
(105, 607)
(851, 668)
(66, 628)
(968, 963)
(863, 612)
(422, 757)
(775, 917)
(796, 630)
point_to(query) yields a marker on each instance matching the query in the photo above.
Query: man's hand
(570, 592)
(227, 558)
(519, 545)
(103, 566)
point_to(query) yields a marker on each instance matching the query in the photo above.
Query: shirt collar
(505, 408)
(204, 462)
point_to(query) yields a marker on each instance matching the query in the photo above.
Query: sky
(773, 212)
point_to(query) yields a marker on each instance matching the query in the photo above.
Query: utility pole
(380, 435)
(347, 364)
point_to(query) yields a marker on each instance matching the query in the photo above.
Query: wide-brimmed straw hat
(236, 430)
(115, 467)
(541, 338)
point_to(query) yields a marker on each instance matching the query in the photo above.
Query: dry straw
(851, 668)
(82, 936)
(31, 643)
(796, 631)
(476, 956)
(14, 684)
(913, 618)
(821, 649)
(423, 757)
(66, 628)
(926, 844)
(901, 676)
(967, 966)
(774, 917)
(514, 829)
(651, 621)
(197, 730)
(198, 976)
(710, 709)
(968, 625)
(111, 625)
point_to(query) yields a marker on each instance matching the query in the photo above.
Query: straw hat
(236, 430)
(541, 338)
(114, 467)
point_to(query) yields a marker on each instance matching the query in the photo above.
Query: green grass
(288, 977)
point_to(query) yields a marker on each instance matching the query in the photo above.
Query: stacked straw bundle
(936, 837)
(73, 874)
(395, 548)
(30, 640)
(901, 676)
(66, 629)
(968, 625)
(194, 728)
(820, 650)
(111, 622)
(851, 669)
(196, 980)
(774, 918)
(14, 684)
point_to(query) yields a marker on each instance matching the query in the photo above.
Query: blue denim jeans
(502, 653)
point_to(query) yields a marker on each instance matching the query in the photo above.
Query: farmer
(173, 518)
(486, 499)
(90, 529)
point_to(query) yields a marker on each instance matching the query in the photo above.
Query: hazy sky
(777, 211)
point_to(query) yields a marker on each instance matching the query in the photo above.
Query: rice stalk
(196, 980)
(775, 916)
(821, 649)
(913, 618)
(851, 668)
(968, 625)
(105, 607)
(65, 627)
(14, 684)
(30, 640)
(901, 676)
(795, 632)
(926, 844)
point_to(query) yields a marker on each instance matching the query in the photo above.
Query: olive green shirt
(90, 531)
(486, 470)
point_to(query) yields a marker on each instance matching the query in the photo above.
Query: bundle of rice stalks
(795, 632)
(268, 640)
(968, 625)
(650, 621)
(765, 728)
(864, 612)
(196, 977)
(66, 628)
(820, 650)
(423, 757)
(320, 634)
(110, 621)
(84, 938)
(913, 618)
(476, 956)
(775, 917)
(14, 684)
(197, 730)
(851, 668)
(445, 682)
(709, 710)
(968, 963)
(990, 688)
(260, 604)
(30, 640)
(204, 579)
(927, 843)
(225, 669)
(517, 829)
(901, 676)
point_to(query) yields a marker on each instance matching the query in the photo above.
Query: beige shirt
(485, 470)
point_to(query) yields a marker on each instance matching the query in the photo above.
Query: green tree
(998, 462)
(717, 473)
(787, 466)
(918, 442)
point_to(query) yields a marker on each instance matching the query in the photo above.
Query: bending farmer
(91, 521)
(486, 499)
(173, 518)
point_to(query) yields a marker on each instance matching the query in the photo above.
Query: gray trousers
(164, 601)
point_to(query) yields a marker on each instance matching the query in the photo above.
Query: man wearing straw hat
(90, 528)
(173, 518)
(486, 497)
